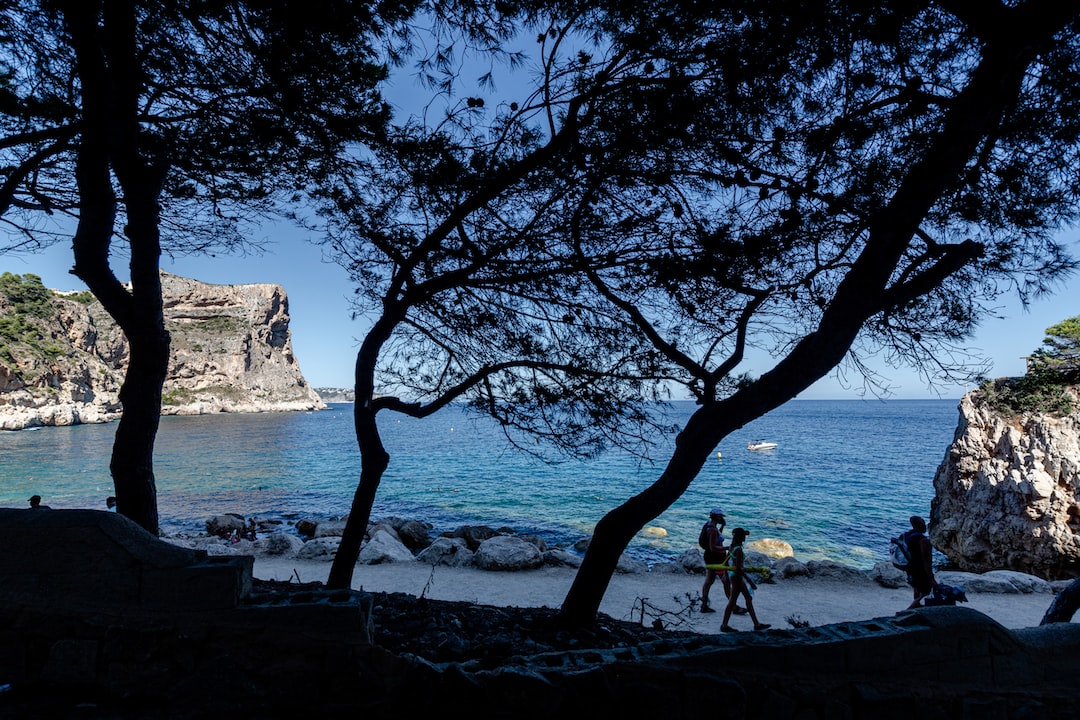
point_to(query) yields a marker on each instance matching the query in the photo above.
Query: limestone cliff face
(231, 352)
(1007, 494)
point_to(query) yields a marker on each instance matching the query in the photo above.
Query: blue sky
(325, 338)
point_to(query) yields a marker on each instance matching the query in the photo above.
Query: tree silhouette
(181, 124)
(450, 234)
(683, 185)
(865, 181)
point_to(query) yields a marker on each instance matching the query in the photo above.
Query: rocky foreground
(150, 630)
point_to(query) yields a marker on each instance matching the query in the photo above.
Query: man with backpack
(920, 570)
(711, 540)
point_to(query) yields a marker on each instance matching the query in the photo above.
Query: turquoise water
(845, 476)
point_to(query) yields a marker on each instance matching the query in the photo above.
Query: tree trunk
(373, 463)
(373, 458)
(132, 463)
(103, 37)
(141, 317)
(1064, 606)
(615, 530)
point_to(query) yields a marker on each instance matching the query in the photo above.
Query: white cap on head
(716, 511)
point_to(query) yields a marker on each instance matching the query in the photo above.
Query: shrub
(1041, 390)
(177, 396)
(27, 294)
(85, 297)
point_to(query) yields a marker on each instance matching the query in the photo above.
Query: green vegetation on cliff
(24, 330)
(1045, 391)
(27, 294)
(1053, 370)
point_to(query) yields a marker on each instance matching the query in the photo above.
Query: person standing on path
(920, 567)
(715, 554)
(741, 584)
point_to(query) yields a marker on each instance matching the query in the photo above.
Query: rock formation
(231, 352)
(336, 395)
(1007, 494)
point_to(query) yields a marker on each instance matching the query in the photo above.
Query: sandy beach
(813, 601)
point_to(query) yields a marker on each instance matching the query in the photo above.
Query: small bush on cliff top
(1052, 369)
(85, 297)
(1044, 391)
(1060, 349)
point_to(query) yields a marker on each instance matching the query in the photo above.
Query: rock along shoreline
(398, 540)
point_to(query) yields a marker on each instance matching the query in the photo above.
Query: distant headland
(62, 358)
(336, 395)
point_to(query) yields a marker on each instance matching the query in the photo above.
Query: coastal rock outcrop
(1007, 494)
(231, 352)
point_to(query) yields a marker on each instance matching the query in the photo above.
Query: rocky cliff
(62, 358)
(1007, 494)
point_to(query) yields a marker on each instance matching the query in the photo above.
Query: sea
(844, 477)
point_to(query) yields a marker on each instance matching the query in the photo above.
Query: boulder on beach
(506, 552)
(383, 547)
(279, 543)
(560, 558)
(473, 535)
(451, 552)
(628, 564)
(324, 548)
(886, 574)
(225, 524)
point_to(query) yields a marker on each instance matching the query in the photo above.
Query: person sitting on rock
(35, 503)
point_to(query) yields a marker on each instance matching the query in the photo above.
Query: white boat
(760, 445)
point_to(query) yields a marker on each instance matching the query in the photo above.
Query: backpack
(899, 553)
(703, 538)
(945, 595)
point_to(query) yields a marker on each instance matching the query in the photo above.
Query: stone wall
(1007, 494)
(316, 652)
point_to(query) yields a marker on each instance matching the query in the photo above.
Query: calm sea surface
(845, 476)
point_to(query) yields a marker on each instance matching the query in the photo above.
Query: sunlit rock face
(1007, 494)
(231, 352)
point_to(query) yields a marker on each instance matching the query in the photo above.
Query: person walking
(740, 582)
(712, 542)
(920, 567)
